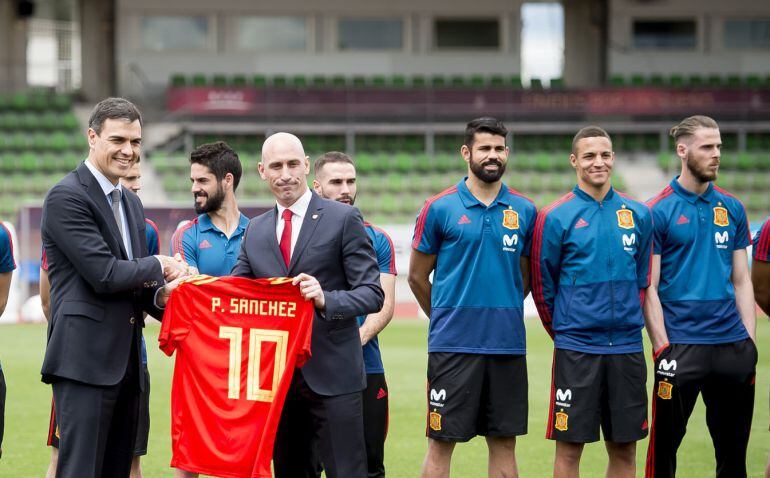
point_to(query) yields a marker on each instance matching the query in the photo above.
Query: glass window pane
(370, 34)
(747, 33)
(467, 33)
(174, 33)
(272, 33)
(664, 34)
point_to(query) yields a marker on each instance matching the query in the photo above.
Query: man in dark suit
(322, 244)
(101, 279)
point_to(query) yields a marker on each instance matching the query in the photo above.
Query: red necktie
(286, 237)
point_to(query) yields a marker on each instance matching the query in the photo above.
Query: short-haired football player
(211, 241)
(700, 308)
(590, 267)
(475, 239)
(335, 178)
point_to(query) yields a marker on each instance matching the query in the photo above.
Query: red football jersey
(237, 343)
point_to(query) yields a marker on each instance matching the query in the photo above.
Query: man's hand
(174, 267)
(165, 292)
(310, 290)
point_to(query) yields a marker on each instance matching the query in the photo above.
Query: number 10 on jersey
(257, 337)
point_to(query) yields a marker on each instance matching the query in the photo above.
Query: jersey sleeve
(761, 251)
(742, 231)
(7, 263)
(386, 253)
(176, 321)
(153, 238)
(532, 214)
(659, 230)
(182, 243)
(545, 265)
(644, 259)
(427, 231)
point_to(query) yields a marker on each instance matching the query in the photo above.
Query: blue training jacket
(590, 265)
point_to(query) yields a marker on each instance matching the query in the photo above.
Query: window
(466, 33)
(747, 33)
(370, 34)
(664, 34)
(272, 33)
(161, 33)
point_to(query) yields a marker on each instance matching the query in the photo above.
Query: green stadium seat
(557, 83)
(477, 81)
(638, 80)
(319, 81)
(20, 101)
(339, 81)
(676, 81)
(199, 79)
(657, 80)
(419, 81)
(279, 81)
(458, 81)
(403, 163)
(617, 80)
(300, 81)
(714, 81)
(753, 81)
(696, 81)
(423, 163)
(359, 81)
(438, 81)
(497, 81)
(239, 80)
(219, 80)
(734, 81)
(535, 84)
(178, 79)
(398, 81)
(379, 81)
(61, 102)
(259, 81)
(514, 81)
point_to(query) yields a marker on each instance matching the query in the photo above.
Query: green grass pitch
(404, 350)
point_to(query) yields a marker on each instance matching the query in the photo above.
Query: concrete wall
(13, 49)
(139, 70)
(708, 57)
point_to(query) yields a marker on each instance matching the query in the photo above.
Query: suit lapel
(272, 240)
(96, 194)
(309, 224)
(133, 227)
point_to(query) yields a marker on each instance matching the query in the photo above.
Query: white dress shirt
(107, 188)
(299, 211)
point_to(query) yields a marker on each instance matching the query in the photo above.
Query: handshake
(176, 267)
(174, 270)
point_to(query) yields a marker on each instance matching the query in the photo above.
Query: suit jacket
(334, 248)
(97, 294)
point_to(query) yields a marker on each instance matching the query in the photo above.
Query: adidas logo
(382, 393)
(204, 244)
(581, 223)
(464, 220)
(682, 220)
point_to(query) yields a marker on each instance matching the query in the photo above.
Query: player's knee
(568, 453)
(622, 452)
(439, 450)
(501, 444)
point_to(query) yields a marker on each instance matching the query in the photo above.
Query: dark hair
(687, 127)
(220, 159)
(485, 124)
(113, 108)
(330, 157)
(589, 132)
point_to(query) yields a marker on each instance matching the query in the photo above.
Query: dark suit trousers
(2, 409)
(334, 424)
(97, 425)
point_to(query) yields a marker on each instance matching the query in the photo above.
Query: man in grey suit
(322, 244)
(101, 281)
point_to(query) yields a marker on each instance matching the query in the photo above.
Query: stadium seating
(39, 142)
